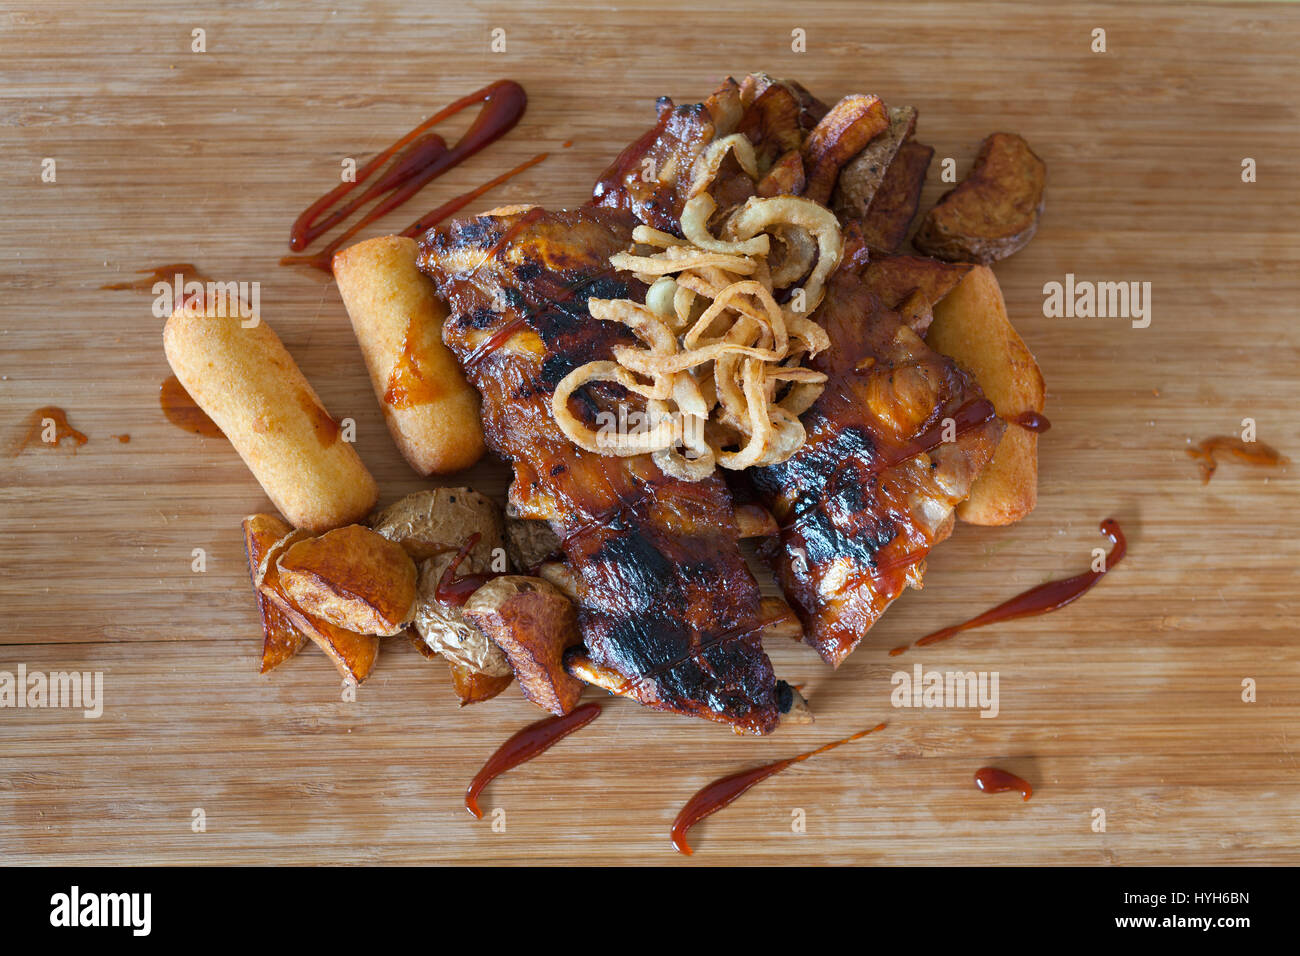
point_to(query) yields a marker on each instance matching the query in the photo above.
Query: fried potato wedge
(844, 132)
(280, 640)
(862, 176)
(444, 627)
(771, 121)
(785, 177)
(971, 326)
(428, 523)
(353, 654)
(533, 623)
(896, 279)
(994, 211)
(352, 578)
(894, 205)
(474, 687)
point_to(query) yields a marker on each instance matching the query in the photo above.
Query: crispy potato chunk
(352, 578)
(844, 132)
(533, 623)
(280, 640)
(972, 327)
(897, 280)
(353, 654)
(444, 627)
(862, 176)
(771, 122)
(474, 687)
(784, 178)
(428, 523)
(994, 211)
(894, 205)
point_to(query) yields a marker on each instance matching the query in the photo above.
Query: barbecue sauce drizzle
(1252, 452)
(418, 158)
(1051, 596)
(993, 780)
(1032, 421)
(62, 430)
(181, 409)
(720, 793)
(526, 744)
(454, 591)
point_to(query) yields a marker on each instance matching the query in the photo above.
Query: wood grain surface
(1129, 701)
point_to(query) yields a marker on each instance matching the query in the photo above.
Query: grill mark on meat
(667, 599)
(859, 506)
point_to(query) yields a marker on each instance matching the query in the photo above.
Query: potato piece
(353, 654)
(785, 178)
(432, 412)
(428, 523)
(443, 627)
(862, 176)
(893, 207)
(247, 383)
(972, 327)
(844, 132)
(530, 542)
(474, 687)
(771, 122)
(533, 623)
(895, 278)
(280, 639)
(994, 211)
(353, 578)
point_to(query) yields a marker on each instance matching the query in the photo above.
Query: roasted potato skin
(840, 135)
(352, 578)
(971, 326)
(354, 655)
(442, 520)
(533, 623)
(280, 639)
(994, 211)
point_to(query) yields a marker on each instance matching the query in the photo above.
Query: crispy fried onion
(718, 359)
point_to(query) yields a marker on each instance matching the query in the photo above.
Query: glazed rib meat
(874, 486)
(666, 599)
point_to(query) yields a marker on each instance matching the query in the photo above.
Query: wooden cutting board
(1129, 702)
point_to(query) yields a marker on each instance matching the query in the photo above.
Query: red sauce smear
(417, 158)
(454, 591)
(721, 793)
(1051, 596)
(164, 273)
(1032, 421)
(1251, 452)
(62, 430)
(181, 409)
(524, 746)
(993, 780)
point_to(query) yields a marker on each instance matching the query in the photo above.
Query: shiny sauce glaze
(411, 162)
(1032, 421)
(525, 745)
(1250, 452)
(1051, 596)
(453, 590)
(722, 792)
(993, 780)
(149, 277)
(37, 427)
(182, 411)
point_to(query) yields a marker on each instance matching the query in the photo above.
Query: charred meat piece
(651, 178)
(894, 443)
(666, 600)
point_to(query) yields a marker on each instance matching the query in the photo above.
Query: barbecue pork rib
(893, 445)
(665, 597)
